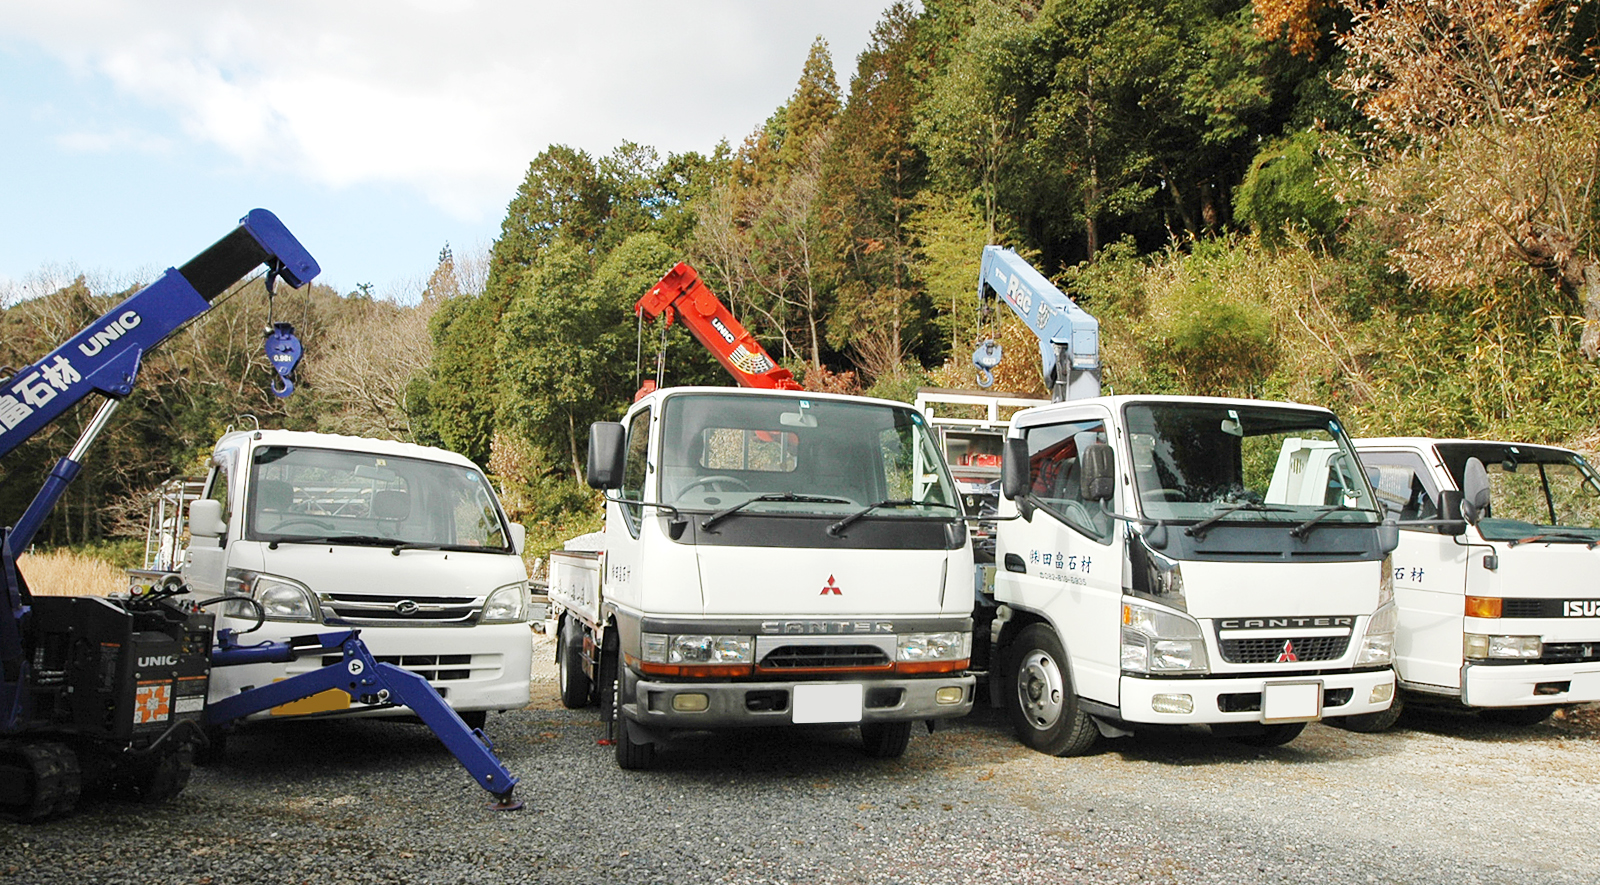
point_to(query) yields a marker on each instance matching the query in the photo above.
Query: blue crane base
(366, 680)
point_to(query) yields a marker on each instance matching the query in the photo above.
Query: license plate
(828, 703)
(1291, 701)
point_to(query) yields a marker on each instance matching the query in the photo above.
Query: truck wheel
(1041, 703)
(1515, 715)
(1268, 735)
(1371, 723)
(630, 756)
(576, 690)
(474, 718)
(885, 740)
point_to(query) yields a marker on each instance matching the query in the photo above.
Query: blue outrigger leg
(368, 681)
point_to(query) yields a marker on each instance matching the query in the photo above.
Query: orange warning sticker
(152, 703)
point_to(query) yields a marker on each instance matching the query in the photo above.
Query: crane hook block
(284, 351)
(984, 359)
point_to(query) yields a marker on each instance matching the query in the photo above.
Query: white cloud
(451, 97)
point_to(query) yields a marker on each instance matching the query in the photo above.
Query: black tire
(154, 779)
(474, 718)
(576, 689)
(1268, 735)
(1039, 697)
(885, 740)
(631, 756)
(49, 776)
(1371, 723)
(1520, 716)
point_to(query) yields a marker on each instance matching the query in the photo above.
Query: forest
(1386, 207)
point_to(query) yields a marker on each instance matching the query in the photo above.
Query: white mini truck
(315, 532)
(770, 558)
(1186, 561)
(1497, 575)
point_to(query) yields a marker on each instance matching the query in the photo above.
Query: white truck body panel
(1074, 566)
(1548, 589)
(418, 607)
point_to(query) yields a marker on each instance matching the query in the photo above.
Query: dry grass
(65, 573)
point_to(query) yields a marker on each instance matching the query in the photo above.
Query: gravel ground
(1443, 799)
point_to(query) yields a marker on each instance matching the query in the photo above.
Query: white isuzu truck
(1165, 560)
(770, 557)
(313, 532)
(1497, 576)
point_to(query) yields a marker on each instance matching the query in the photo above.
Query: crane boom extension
(106, 355)
(1069, 338)
(681, 293)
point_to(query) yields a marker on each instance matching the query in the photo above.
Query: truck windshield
(1535, 492)
(1245, 463)
(360, 498)
(800, 455)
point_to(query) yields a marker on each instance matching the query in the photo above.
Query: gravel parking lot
(1443, 799)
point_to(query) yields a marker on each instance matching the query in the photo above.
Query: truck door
(1067, 559)
(205, 563)
(625, 524)
(1430, 572)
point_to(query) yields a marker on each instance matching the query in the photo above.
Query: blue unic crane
(1069, 338)
(111, 693)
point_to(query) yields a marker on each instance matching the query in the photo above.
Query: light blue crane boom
(1069, 338)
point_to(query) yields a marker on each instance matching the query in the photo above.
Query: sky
(137, 134)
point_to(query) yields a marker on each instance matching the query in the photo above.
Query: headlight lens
(1486, 647)
(1159, 641)
(506, 605)
(691, 648)
(948, 646)
(281, 599)
(1377, 647)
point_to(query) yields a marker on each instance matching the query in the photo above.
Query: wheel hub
(1040, 689)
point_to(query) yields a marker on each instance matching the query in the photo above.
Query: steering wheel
(296, 520)
(713, 480)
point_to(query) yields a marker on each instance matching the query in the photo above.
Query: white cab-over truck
(1499, 610)
(769, 558)
(1174, 561)
(407, 543)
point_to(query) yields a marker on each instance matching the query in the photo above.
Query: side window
(1403, 484)
(634, 469)
(217, 486)
(1054, 474)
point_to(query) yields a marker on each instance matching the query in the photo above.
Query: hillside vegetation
(1384, 207)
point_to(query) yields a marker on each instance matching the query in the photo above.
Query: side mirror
(1097, 472)
(519, 537)
(1450, 521)
(1474, 491)
(607, 445)
(1014, 479)
(205, 519)
(1388, 536)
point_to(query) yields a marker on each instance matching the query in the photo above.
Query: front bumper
(741, 704)
(1519, 685)
(1226, 700)
(485, 667)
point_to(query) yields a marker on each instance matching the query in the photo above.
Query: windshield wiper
(1558, 535)
(791, 497)
(1304, 528)
(1199, 529)
(838, 527)
(358, 540)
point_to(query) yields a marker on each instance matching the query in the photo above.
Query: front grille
(395, 611)
(824, 657)
(434, 668)
(1570, 653)
(1525, 608)
(1267, 650)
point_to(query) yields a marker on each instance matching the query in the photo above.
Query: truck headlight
(948, 646)
(1377, 647)
(695, 648)
(1487, 647)
(506, 605)
(280, 598)
(1160, 641)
